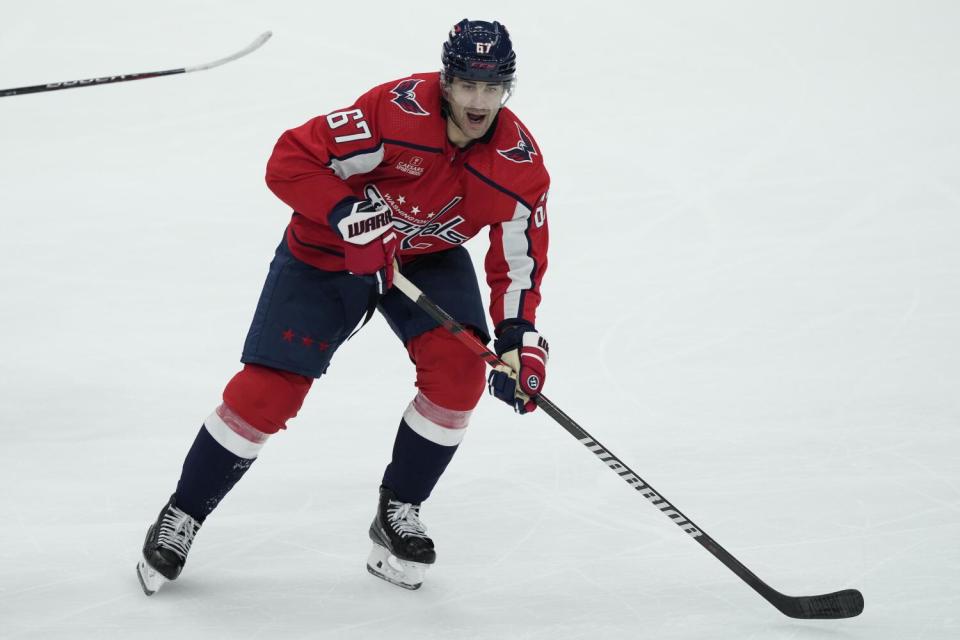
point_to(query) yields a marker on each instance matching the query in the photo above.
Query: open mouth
(476, 118)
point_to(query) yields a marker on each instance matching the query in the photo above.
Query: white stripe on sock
(233, 434)
(448, 434)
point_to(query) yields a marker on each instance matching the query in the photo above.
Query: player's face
(474, 105)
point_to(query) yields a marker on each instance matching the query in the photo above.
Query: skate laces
(177, 530)
(405, 519)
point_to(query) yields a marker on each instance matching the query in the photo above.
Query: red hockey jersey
(391, 145)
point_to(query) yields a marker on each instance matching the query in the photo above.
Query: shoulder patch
(524, 149)
(405, 97)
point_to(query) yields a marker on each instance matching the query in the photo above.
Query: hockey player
(405, 175)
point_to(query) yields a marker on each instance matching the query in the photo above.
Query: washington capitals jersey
(391, 145)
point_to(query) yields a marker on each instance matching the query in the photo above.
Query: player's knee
(448, 373)
(265, 397)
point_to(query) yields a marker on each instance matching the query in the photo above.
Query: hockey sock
(222, 452)
(426, 441)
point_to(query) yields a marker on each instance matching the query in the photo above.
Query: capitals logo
(406, 97)
(523, 152)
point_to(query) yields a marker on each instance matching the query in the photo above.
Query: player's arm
(517, 259)
(308, 169)
(515, 265)
(310, 163)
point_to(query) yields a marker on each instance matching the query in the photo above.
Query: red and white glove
(370, 243)
(525, 353)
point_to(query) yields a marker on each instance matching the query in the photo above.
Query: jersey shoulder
(514, 159)
(408, 109)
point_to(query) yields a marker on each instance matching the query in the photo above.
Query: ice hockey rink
(753, 300)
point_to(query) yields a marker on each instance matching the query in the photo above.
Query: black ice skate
(401, 549)
(166, 547)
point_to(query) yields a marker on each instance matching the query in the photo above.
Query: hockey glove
(524, 372)
(370, 243)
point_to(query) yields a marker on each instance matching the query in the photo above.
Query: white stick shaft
(250, 48)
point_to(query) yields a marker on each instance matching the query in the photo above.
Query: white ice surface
(753, 299)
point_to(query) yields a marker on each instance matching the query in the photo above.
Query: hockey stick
(89, 82)
(840, 604)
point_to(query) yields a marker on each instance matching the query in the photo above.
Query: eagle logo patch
(523, 152)
(406, 97)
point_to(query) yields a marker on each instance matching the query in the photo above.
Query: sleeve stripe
(520, 265)
(364, 162)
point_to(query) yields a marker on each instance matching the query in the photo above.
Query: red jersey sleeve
(517, 257)
(310, 163)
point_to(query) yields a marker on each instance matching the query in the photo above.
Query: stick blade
(829, 606)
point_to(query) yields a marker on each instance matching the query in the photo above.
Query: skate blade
(403, 573)
(150, 579)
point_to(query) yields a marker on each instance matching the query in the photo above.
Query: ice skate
(166, 547)
(401, 549)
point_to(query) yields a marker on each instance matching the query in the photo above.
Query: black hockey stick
(840, 604)
(89, 82)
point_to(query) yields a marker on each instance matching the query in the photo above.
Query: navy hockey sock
(211, 469)
(417, 465)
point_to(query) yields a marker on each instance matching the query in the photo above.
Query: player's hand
(370, 243)
(524, 372)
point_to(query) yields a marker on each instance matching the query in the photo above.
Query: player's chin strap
(839, 604)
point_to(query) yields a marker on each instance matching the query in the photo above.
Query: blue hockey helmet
(479, 51)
